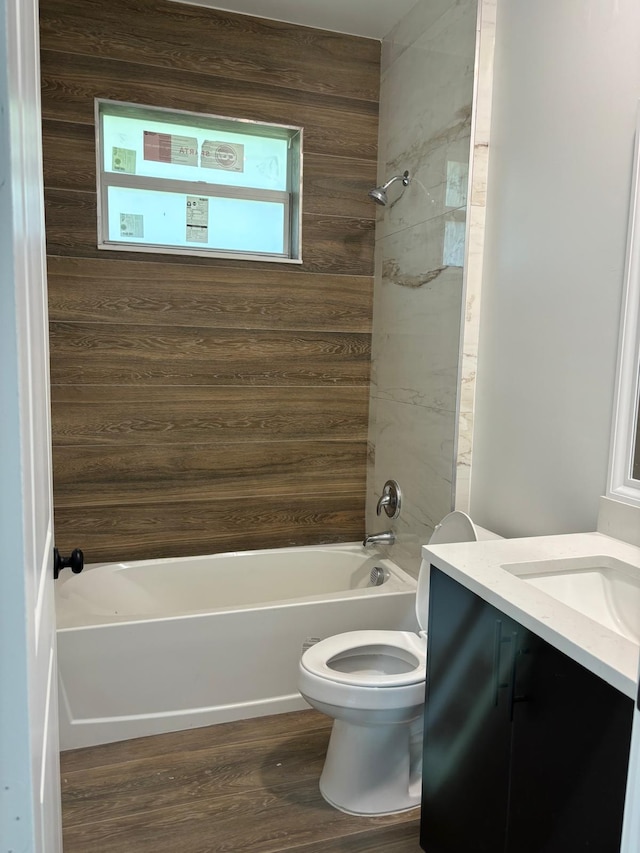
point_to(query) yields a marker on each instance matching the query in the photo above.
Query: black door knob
(75, 562)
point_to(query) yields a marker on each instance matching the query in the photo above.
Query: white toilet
(372, 684)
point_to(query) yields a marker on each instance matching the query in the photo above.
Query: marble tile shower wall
(425, 127)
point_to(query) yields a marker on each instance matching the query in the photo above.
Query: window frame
(291, 199)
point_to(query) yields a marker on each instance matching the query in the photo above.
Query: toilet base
(373, 770)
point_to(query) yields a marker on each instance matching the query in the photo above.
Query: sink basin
(603, 588)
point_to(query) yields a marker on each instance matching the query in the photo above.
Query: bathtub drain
(378, 576)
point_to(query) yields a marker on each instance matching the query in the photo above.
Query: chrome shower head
(379, 194)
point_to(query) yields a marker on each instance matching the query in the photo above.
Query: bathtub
(164, 645)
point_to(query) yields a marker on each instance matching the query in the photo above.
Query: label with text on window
(197, 219)
(171, 148)
(132, 225)
(123, 160)
(222, 155)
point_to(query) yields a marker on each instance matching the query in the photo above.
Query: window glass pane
(195, 222)
(160, 149)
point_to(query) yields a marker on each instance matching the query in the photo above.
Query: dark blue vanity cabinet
(525, 751)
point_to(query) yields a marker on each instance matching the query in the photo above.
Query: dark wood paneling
(338, 186)
(215, 297)
(333, 245)
(336, 244)
(233, 787)
(188, 389)
(332, 125)
(184, 528)
(107, 476)
(93, 414)
(62, 171)
(237, 47)
(166, 355)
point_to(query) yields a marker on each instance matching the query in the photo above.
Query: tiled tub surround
(425, 123)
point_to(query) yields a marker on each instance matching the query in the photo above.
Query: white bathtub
(163, 645)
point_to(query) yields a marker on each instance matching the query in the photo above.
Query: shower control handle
(75, 562)
(390, 499)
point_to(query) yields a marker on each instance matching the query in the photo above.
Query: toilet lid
(406, 653)
(454, 527)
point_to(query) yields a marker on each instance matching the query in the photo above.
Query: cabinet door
(467, 722)
(570, 748)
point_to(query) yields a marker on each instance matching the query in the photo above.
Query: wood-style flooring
(241, 786)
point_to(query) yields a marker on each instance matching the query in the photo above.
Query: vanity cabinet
(525, 750)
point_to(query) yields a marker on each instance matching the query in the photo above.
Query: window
(186, 183)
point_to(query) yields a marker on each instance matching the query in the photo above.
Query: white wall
(567, 83)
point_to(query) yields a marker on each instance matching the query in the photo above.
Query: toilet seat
(406, 653)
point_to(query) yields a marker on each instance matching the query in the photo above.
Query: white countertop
(478, 566)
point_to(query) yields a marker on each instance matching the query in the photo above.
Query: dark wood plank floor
(243, 786)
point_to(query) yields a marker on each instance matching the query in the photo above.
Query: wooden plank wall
(204, 405)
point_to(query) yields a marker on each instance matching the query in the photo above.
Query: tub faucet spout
(386, 538)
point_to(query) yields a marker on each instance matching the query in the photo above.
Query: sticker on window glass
(456, 191)
(123, 160)
(169, 148)
(453, 248)
(131, 225)
(197, 219)
(222, 155)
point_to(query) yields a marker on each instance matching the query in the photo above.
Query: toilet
(372, 684)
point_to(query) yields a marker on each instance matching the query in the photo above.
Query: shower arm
(404, 178)
(379, 194)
